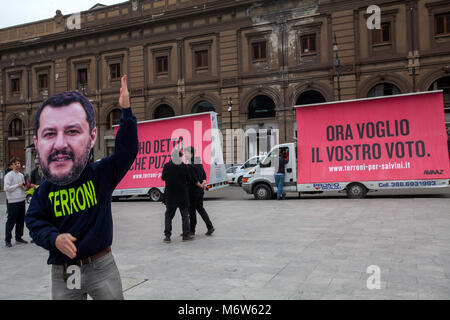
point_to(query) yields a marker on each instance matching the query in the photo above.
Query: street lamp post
(337, 65)
(230, 109)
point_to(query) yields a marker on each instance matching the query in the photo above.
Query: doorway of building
(260, 139)
(16, 140)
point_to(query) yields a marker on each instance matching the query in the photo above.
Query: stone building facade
(187, 56)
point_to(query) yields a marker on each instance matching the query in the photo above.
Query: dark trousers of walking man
(16, 217)
(196, 205)
(170, 214)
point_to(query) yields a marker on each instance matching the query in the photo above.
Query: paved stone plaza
(318, 247)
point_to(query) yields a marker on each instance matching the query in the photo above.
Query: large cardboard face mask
(63, 143)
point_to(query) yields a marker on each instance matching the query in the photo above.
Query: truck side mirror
(265, 165)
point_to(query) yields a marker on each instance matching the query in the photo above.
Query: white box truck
(362, 145)
(157, 139)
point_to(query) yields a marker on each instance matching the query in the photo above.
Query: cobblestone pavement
(318, 247)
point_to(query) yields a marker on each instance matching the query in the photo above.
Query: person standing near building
(70, 212)
(7, 170)
(279, 176)
(197, 193)
(176, 194)
(15, 194)
(36, 176)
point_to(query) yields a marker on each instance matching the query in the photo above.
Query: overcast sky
(14, 12)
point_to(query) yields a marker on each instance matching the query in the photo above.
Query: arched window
(16, 128)
(114, 118)
(310, 97)
(203, 106)
(163, 111)
(261, 107)
(444, 85)
(383, 89)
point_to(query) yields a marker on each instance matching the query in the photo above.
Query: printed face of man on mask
(65, 133)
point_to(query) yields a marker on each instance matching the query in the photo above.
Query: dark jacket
(178, 179)
(198, 173)
(83, 207)
(282, 165)
(36, 176)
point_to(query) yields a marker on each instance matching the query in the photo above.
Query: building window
(16, 128)
(82, 78)
(308, 44)
(259, 51)
(383, 89)
(43, 82)
(203, 106)
(442, 24)
(201, 59)
(162, 64)
(15, 85)
(163, 111)
(310, 97)
(444, 85)
(261, 107)
(114, 71)
(114, 118)
(382, 35)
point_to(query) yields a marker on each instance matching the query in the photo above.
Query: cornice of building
(329, 6)
(131, 19)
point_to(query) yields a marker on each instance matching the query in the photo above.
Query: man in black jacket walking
(176, 194)
(196, 194)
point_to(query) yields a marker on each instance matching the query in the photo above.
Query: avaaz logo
(428, 172)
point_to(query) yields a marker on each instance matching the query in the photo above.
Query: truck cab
(260, 181)
(246, 167)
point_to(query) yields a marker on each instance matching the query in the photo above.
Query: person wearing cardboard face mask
(70, 212)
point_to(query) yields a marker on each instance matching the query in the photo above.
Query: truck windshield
(251, 163)
(270, 157)
(274, 154)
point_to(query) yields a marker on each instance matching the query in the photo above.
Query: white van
(246, 167)
(366, 145)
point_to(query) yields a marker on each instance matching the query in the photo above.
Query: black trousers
(16, 217)
(170, 213)
(196, 205)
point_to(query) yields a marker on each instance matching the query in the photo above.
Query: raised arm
(126, 143)
(124, 99)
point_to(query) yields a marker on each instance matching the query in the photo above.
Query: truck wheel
(262, 192)
(155, 195)
(356, 191)
(239, 181)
